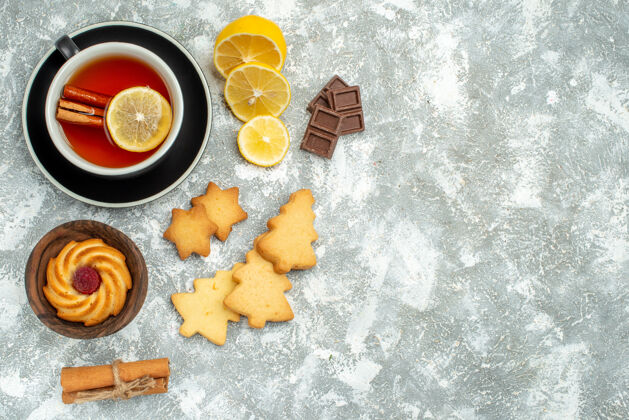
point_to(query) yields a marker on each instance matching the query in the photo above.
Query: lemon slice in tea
(138, 119)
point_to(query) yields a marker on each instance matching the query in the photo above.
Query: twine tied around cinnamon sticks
(121, 391)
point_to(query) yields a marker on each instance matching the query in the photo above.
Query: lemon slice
(254, 89)
(138, 119)
(263, 141)
(249, 39)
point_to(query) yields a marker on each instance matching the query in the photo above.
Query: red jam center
(86, 280)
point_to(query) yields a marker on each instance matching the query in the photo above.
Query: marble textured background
(474, 246)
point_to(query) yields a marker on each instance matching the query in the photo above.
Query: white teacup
(76, 60)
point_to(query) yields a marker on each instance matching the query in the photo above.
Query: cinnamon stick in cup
(82, 108)
(76, 380)
(85, 96)
(78, 118)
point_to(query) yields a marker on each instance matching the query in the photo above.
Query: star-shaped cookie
(222, 208)
(191, 231)
(203, 311)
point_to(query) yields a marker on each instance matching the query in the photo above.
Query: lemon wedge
(263, 141)
(138, 119)
(248, 39)
(254, 89)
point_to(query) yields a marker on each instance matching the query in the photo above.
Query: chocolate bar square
(327, 120)
(319, 142)
(352, 122)
(320, 99)
(345, 99)
(335, 83)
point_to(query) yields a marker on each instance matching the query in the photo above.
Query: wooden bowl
(51, 244)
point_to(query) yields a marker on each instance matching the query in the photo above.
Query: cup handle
(66, 47)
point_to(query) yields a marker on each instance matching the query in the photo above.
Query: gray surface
(474, 248)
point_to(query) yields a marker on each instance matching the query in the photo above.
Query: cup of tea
(78, 109)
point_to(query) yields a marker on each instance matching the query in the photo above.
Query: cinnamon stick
(161, 387)
(82, 108)
(86, 96)
(85, 378)
(78, 118)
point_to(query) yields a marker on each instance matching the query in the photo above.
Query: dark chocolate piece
(319, 142)
(327, 120)
(345, 99)
(335, 83)
(352, 122)
(320, 99)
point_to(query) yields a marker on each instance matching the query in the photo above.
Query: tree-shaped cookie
(222, 208)
(287, 244)
(203, 311)
(260, 292)
(191, 231)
